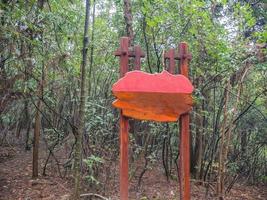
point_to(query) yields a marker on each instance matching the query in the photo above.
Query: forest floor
(16, 184)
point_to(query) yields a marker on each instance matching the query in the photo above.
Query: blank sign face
(159, 97)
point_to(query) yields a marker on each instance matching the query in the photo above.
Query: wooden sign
(159, 97)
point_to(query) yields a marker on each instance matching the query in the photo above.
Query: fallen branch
(92, 194)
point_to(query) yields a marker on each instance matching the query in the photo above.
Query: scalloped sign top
(159, 97)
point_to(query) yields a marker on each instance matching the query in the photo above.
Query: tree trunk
(199, 143)
(92, 49)
(37, 125)
(37, 128)
(196, 158)
(221, 150)
(146, 43)
(80, 127)
(128, 20)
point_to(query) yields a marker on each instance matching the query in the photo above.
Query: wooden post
(124, 54)
(170, 55)
(124, 141)
(184, 161)
(124, 124)
(137, 54)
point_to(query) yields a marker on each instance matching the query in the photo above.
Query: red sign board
(160, 97)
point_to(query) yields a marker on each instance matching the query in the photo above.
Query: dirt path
(16, 184)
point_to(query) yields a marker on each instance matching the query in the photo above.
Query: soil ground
(16, 183)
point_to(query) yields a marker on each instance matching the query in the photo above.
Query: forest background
(42, 46)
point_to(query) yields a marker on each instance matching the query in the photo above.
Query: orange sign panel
(159, 97)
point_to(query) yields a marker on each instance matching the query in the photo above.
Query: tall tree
(37, 125)
(80, 128)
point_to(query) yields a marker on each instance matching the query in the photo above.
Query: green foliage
(92, 163)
